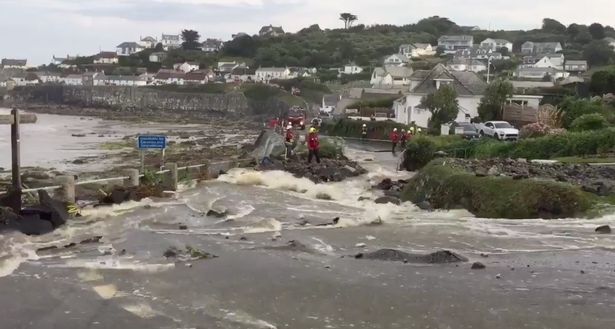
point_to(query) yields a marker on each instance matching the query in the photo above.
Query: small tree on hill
(443, 105)
(597, 31)
(553, 26)
(348, 19)
(598, 52)
(496, 95)
(191, 40)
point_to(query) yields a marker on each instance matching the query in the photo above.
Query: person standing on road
(364, 132)
(313, 146)
(394, 140)
(289, 141)
(403, 138)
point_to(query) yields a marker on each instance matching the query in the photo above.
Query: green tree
(597, 31)
(592, 121)
(583, 37)
(603, 82)
(159, 47)
(598, 52)
(552, 26)
(243, 46)
(191, 40)
(443, 105)
(574, 108)
(348, 19)
(496, 95)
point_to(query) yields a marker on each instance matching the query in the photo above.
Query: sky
(39, 29)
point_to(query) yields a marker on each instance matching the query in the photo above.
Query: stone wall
(136, 99)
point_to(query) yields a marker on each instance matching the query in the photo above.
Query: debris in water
(484, 255)
(189, 254)
(95, 239)
(498, 276)
(478, 266)
(183, 227)
(438, 257)
(604, 229)
(360, 245)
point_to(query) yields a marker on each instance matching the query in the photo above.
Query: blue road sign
(152, 142)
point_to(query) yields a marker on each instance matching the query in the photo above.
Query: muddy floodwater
(285, 258)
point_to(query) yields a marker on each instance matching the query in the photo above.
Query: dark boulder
(388, 199)
(53, 210)
(438, 257)
(424, 205)
(386, 184)
(478, 266)
(604, 229)
(218, 213)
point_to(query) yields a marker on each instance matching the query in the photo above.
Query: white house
(463, 64)
(106, 57)
(169, 77)
(529, 47)
(396, 59)
(266, 74)
(148, 42)
(416, 50)
(301, 72)
(119, 80)
(271, 31)
(242, 74)
(496, 44)
(541, 73)
(186, 66)
(452, 43)
(128, 48)
(73, 80)
(391, 77)
(14, 63)
(170, 41)
(350, 69)
(212, 45)
(157, 57)
(469, 86)
(49, 77)
(576, 66)
(552, 60)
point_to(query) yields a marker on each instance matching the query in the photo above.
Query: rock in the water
(55, 211)
(478, 266)
(604, 229)
(388, 199)
(424, 205)
(386, 184)
(219, 213)
(183, 227)
(439, 257)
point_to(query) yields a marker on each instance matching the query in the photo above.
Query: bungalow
(469, 86)
(196, 78)
(300, 72)
(212, 45)
(575, 66)
(530, 47)
(396, 59)
(552, 60)
(49, 77)
(186, 66)
(128, 48)
(148, 42)
(351, 68)
(391, 77)
(416, 50)
(119, 80)
(266, 74)
(271, 31)
(496, 44)
(472, 65)
(157, 57)
(541, 73)
(169, 77)
(73, 80)
(242, 74)
(170, 41)
(452, 43)
(13, 63)
(106, 57)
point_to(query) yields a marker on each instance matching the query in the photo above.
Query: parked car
(465, 129)
(500, 130)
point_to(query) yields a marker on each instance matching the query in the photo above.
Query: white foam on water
(15, 249)
(114, 264)
(141, 310)
(242, 211)
(263, 226)
(244, 318)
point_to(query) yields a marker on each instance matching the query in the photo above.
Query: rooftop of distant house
(14, 62)
(464, 83)
(107, 54)
(128, 45)
(448, 38)
(174, 37)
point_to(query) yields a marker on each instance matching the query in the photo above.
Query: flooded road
(284, 262)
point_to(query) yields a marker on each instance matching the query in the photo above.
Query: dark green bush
(418, 153)
(592, 121)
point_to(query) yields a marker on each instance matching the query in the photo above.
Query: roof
(538, 69)
(497, 40)
(466, 61)
(169, 74)
(422, 45)
(272, 69)
(118, 78)
(399, 71)
(48, 74)
(74, 76)
(107, 54)
(14, 62)
(456, 38)
(576, 62)
(212, 42)
(129, 45)
(196, 76)
(174, 37)
(271, 28)
(407, 45)
(464, 83)
(149, 39)
(401, 58)
(243, 71)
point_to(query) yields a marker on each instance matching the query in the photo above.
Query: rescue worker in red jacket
(394, 140)
(313, 145)
(289, 141)
(403, 138)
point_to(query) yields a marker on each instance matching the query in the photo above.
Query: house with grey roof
(148, 42)
(576, 66)
(536, 48)
(417, 50)
(170, 41)
(212, 45)
(266, 74)
(8, 63)
(551, 60)
(497, 44)
(467, 64)
(397, 60)
(391, 76)
(540, 74)
(271, 31)
(128, 48)
(49, 77)
(452, 43)
(469, 86)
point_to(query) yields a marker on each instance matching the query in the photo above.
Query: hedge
(496, 197)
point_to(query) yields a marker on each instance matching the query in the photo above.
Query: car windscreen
(503, 125)
(295, 113)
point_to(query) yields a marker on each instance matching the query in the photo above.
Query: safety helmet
(364, 125)
(394, 129)
(289, 127)
(403, 130)
(312, 130)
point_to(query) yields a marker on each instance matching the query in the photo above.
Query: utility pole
(489, 68)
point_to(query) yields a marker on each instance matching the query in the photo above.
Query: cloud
(85, 26)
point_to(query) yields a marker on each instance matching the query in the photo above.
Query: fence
(65, 185)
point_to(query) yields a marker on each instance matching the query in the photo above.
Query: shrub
(534, 130)
(418, 153)
(592, 121)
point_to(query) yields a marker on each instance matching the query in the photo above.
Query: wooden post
(133, 180)
(67, 192)
(16, 161)
(173, 178)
